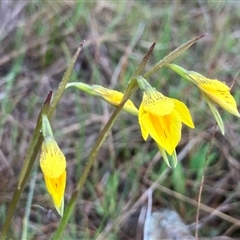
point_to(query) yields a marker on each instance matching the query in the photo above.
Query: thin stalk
(145, 59)
(171, 56)
(63, 83)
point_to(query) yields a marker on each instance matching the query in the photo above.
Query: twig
(148, 215)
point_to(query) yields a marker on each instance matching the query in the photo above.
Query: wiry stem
(171, 56)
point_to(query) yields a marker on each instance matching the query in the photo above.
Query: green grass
(34, 56)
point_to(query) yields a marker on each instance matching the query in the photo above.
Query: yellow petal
(52, 160)
(114, 97)
(141, 119)
(217, 91)
(184, 113)
(166, 130)
(152, 125)
(56, 188)
(207, 83)
(156, 103)
(224, 99)
(172, 126)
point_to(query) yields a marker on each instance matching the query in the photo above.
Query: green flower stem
(83, 86)
(181, 71)
(63, 83)
(143, 63)
(171, 56)
(36, 143)
(92, 157)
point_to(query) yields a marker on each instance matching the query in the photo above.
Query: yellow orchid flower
(53, 165)
(115, 97)
(213, 90)
(111, 96)
(162, 117)
(217, 91)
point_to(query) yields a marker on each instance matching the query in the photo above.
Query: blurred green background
(38, 39)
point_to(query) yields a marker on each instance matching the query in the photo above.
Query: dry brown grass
(37, 41)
